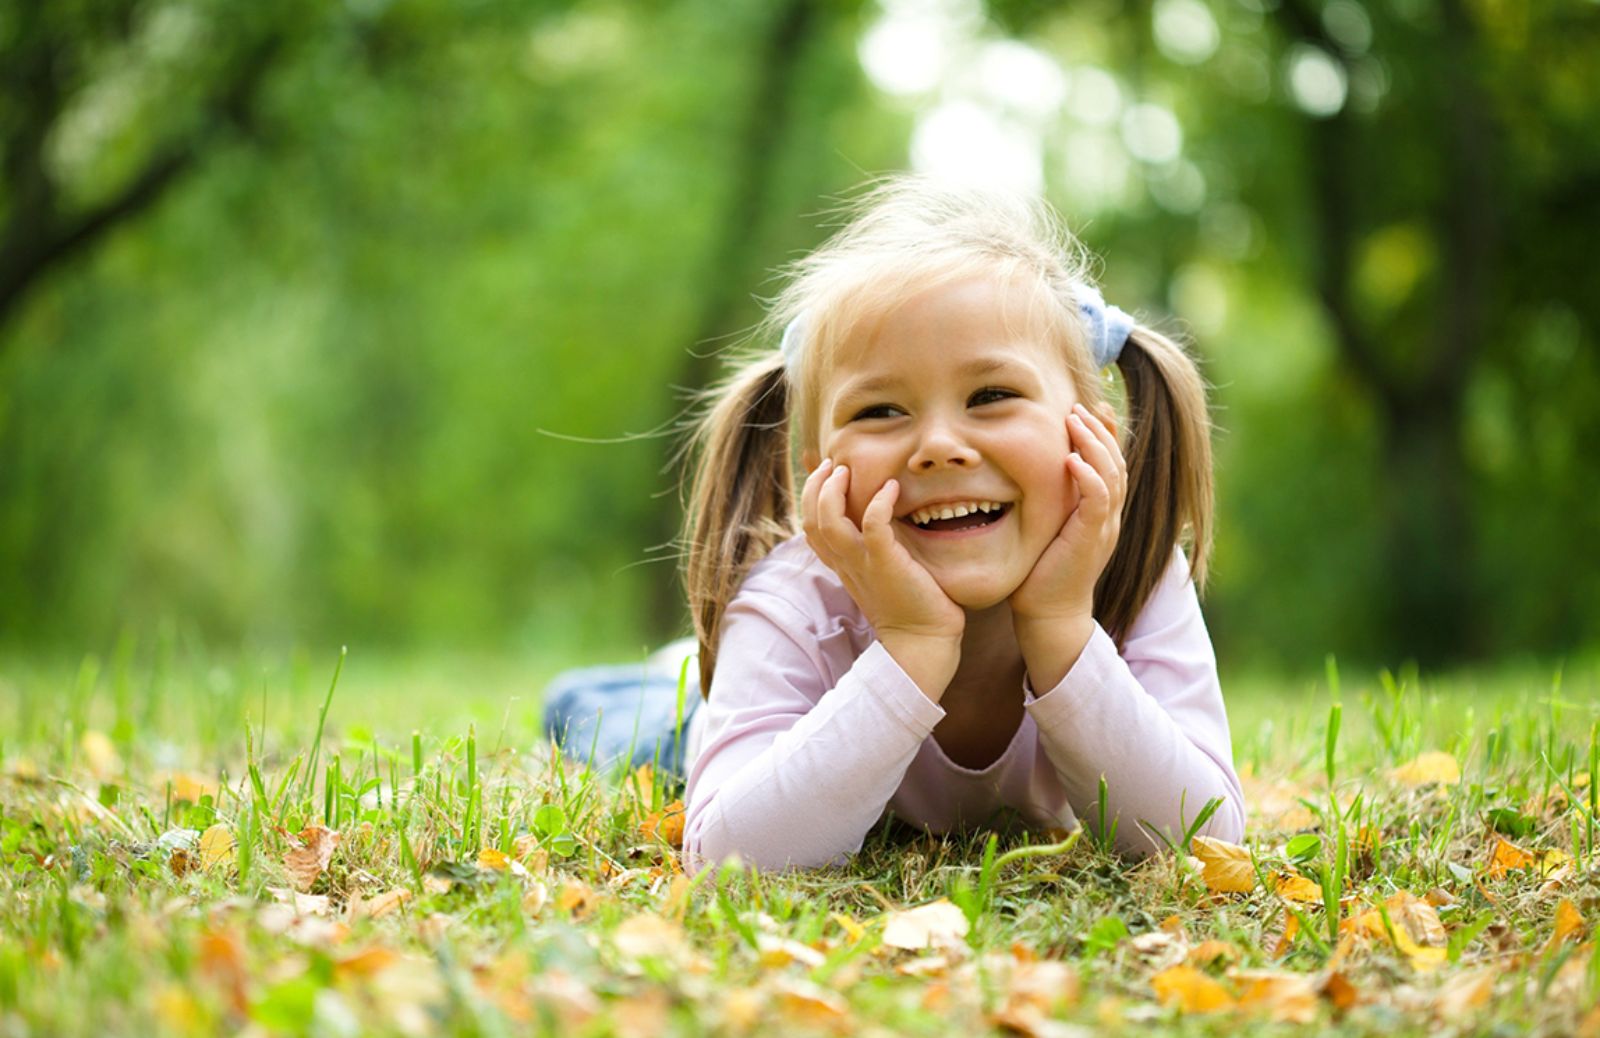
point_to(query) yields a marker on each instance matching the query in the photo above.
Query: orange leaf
(366, 963)
(1463, 993)
(1291, 886)
(665, 824)
(1338, 990)
(1508, 857)
(1569, 925)
(1190, 990)
(1207, 952)
(577, 898)
(494, 860)
(1291, 926)
(1282, 997)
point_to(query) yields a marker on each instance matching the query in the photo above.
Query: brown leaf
(665, 825)
(303, 904)
(377, 907)
(1190, 990)
(938, 924)
(1338, 990)
(1227, 868)
(804, 1004)
(309, 860)
(1207, 952)
(1291, 927)
(1506, 856)
(221, 959)
(1420, 919)
(1428, 768)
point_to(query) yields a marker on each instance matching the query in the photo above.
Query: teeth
(954, 511)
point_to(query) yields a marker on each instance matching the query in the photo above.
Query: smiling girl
(979, 599)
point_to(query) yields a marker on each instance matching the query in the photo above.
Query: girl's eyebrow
(978, 367)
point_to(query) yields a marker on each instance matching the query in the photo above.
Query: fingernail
(827, 463)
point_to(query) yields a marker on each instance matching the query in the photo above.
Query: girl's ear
(809, 460)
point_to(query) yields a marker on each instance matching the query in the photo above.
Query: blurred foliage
(305, 391)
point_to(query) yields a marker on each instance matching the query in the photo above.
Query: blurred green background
(307, 310)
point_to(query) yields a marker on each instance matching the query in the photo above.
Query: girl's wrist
(1051, 647)
(929, 660)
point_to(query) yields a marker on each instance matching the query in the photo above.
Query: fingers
(876, 520)
(1097, 444)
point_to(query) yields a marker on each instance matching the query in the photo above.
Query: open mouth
(985, 514)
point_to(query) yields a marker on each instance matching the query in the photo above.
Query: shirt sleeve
(1150, 720)
(791, 772)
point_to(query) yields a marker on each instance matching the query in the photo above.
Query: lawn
(199, 845)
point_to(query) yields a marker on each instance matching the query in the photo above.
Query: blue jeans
(626, 712)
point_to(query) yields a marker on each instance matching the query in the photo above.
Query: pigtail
(741, 500)
(1168, 449)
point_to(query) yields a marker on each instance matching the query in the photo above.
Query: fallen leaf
(644, 1014)
(1291, 927)
(1463, 993)
(1281, 997)
(805, 1004)
(1190, 990)
(534, 899)
(742, 1008)
(1434, 766)
(1568, 926)
(377, 907)
(854, 929)
(216, 847)
(368, 962)
(489, 858)
(1506, 857)
(778, 952)
(1406, 913)
(576, 898)
(309, 860)
(100, 753)
(1226, 866)
(185, 786)
(221, 957)
(665, 825)
(1338, 990)
(648, 935)
(1291, 886)
(1207, 952)
(937, 924)
(303, 904)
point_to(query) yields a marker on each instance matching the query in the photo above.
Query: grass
(156, 804)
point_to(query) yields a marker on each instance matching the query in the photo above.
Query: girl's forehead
(972, 315)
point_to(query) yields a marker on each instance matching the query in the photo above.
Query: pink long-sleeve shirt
(812, 731)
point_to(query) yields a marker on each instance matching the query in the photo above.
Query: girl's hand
(913, 617)
(1053, 609)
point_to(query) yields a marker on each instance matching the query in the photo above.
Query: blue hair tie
(1106, 329)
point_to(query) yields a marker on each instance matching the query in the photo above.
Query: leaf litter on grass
(458, 890)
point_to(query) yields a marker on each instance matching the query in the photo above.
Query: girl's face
(966, 414)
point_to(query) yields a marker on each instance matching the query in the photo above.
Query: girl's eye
(876, 411)
(989, 395)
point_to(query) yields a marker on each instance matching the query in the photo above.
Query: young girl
(978, 600)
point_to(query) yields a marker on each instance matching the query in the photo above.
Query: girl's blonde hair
(908, 234)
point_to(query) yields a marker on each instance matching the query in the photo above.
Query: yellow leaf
(185, 786)
(1282, 997)
(648, 935)
(1419, 918)
(806, 1005)
(937, 924)
(1434, 766)
(854, 929)
(1226, 866)
(1291, 886)
(100, 754)
(494, 860)
(1190, 990)
(216, 847)
(1569, 925)
(1291, 927)
(1207, 952)
(777, 952)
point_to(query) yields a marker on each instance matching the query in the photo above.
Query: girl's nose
(940, 447)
